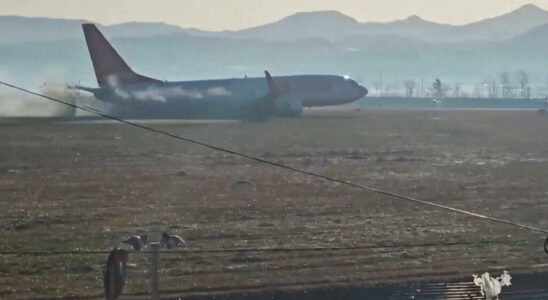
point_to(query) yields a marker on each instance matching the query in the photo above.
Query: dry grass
(86, 186)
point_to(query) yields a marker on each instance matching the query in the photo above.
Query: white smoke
(161, 94)
(149, 95)
(218, 92)
(18, 104)
(114, 83)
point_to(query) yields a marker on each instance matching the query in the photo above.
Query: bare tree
(505, 84)
(438, 90)
(523, 79)
(491, 88)
(409, 87)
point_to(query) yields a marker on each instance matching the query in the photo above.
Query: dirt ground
(86, 186)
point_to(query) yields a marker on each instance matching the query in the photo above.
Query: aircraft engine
(287, 107)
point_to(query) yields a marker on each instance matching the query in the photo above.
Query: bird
(136, 241)
(115, 273)
(171, 241)
(546, 245)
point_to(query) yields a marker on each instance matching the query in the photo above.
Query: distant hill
(506, 26)
(36, 49)
(327, 25)
(534, 37)
(333, 26)
(412, 27)
(182, 56)
(15, 29)
(139, 29)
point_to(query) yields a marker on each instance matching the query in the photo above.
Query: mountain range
(308, 42)
(332, 25)
(328, 25)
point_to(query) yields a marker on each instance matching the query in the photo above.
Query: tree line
(506, 85)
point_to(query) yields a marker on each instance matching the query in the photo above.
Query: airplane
(136, 96)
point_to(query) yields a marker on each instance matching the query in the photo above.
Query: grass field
(86, 186)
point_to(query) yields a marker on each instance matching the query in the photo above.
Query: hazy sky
(235, 14)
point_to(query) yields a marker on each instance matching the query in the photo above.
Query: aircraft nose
(362, 91)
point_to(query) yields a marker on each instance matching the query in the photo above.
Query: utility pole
(154, 291)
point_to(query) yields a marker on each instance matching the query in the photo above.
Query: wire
(238, 250)
(279, 165)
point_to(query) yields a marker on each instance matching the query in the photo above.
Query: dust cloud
(15, 104)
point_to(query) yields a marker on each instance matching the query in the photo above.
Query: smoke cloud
(16, 104)
(161, 94)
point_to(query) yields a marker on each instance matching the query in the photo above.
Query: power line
(239, 250)
(190, 251)
(279, 165)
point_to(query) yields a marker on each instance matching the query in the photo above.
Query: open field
(85, 186)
